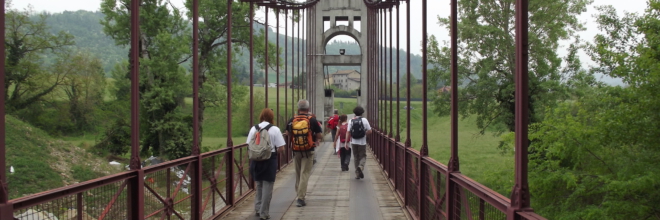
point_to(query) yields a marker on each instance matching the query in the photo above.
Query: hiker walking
(304, 132)
(264, 142)
(332, 125)
(342, 143)
(359, 128)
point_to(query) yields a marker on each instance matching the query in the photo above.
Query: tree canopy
(596, 157)
(486, 58)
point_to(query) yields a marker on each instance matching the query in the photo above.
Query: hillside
(89, 37)
(41, 163)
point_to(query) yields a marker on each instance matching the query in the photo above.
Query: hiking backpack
(259, 146)
(357, 128)
(301, 133)
(342, 133)
(332, 123)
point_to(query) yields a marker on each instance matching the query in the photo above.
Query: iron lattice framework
(218, 180)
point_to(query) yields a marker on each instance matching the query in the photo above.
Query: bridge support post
(6, 208)
(520, 193)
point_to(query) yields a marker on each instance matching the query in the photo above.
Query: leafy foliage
(486, 58)
(28, 41)
(165, 129)
(596, 157)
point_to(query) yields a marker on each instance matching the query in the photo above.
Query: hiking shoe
(301, 203)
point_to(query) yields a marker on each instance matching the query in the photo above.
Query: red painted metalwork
(135, 190)
(230, 164)
(266, 56)
(196, 209)
(5, 208)
(299, 52)
(520, 193)
(252, 62)
(277, 71)
(452, 209)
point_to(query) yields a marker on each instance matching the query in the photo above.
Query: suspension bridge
(401, 183)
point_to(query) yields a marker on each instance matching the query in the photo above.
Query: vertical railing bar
(453, 211)
(196, 208)
(169, 194)
(482, 211)
(266, 30)
(277, 71)
(286, 69)
(397, 137)
(136, 196)
(391, 88)
(424, 150)
(79, 205)
(408, 143)
(6, 208)
(251, 63)
(520, 193)
(299, 52)
(230, 160)
(251, 80)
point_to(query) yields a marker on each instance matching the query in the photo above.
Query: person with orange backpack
(342, 143)
(304, 133)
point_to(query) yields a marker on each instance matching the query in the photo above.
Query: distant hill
(89, 37)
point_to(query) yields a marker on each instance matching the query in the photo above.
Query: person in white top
(263, 172)
(359, 129)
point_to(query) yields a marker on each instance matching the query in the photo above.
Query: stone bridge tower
(333, 11)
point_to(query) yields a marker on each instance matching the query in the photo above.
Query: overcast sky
(436, 8)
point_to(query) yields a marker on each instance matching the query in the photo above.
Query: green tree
(596, 157)
(29, 42)
(213, 51)
(84, 88)
(486, 61)
(164, 43)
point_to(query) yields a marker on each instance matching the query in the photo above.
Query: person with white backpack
(264, 142)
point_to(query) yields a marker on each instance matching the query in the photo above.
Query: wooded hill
(89, 37)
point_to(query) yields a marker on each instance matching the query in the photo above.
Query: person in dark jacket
(263, 172)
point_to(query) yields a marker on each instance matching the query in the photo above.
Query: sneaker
(265, 217)
(256, 214)
(314, 162)
(359, 173)
(301, 203)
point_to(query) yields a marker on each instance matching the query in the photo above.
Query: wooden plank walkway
(331, 193)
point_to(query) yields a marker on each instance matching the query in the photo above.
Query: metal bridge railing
(167, 186)
(471, 199)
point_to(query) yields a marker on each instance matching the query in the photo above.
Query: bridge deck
(331, 193)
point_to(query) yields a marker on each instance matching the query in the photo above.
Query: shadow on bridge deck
(331, 194)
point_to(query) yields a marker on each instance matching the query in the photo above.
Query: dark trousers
(334, 133)
(345, 157)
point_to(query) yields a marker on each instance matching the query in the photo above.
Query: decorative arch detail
(341, 30)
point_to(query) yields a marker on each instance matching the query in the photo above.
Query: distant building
(346, 79)
(444, 89)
